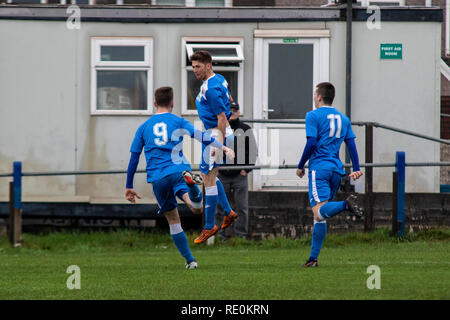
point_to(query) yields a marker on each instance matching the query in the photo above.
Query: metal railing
(398, 177)
(369, 165)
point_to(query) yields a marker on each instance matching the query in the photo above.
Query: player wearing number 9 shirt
(326, 129)
(161, 137)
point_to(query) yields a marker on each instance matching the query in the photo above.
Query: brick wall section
(445, 121)
(288, 214)
(445, 171)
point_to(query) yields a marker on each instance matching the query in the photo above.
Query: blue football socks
(318, 235)
(195, 194)
(223, 201)
(180, 240)
(330, 209)
(211, 199)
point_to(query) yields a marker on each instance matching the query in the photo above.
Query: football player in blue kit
(213, 106)
(161, 137)
(326, 129)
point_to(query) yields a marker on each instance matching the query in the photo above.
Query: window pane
(209, 3)
(290, 80)
(137, 1)
(230, 54)
(122, 53)
(194, 86)
(232, 79)
(26, 1)
(171, 2)
(223, 52)
(105, 1)
(121, 90)
(253, 3)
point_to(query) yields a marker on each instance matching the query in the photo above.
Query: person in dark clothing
(235, 181)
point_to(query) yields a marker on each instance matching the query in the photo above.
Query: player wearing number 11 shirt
(326, 129)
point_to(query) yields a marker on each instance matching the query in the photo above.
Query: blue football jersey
(330, 127)
(213, 99)
(161, 137)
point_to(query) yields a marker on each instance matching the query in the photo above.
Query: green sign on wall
(391, 51)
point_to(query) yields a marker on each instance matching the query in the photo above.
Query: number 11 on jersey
(333, 126)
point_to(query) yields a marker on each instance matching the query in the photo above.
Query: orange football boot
(229, 219)
(206, 234)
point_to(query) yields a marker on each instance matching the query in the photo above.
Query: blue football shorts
(323, 185)
(209, 162)
(167, 189)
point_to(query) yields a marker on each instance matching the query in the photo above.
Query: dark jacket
(244, 140)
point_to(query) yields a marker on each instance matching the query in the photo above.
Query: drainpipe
(348, 83)
(447, 29)
(348, 71)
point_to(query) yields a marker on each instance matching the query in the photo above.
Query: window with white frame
(228, 60)
(121, 75)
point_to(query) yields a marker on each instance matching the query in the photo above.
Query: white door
(286, 71)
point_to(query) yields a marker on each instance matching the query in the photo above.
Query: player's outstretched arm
(130, 194)
(356, 174)
(311, 143)
(203, 137)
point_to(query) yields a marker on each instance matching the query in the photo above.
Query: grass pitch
(135, 265)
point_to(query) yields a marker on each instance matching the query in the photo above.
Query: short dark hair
(202, 56)
(326, 91)
(164, 96)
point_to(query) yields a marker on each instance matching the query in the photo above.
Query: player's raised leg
(333, 208)
(179, 237)
(195, 207)
(211, 200)
(193, 198)
(323, 186)
(230, 215)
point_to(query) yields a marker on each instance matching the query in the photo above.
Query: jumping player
(161, 137)
(326, 129)
(213, 106)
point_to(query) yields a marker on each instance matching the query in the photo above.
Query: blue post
(400, 166)
(17, 181)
